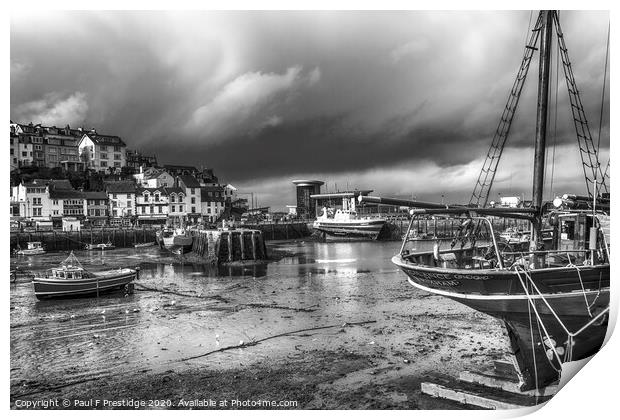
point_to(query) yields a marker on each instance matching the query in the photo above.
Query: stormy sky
(404, 103)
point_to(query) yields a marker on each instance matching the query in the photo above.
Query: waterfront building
(306, 207)
(152, 205)
(37, 200)
(103, 153)
(96, 207)
(122, 201)
(212, 200)
(177, 210)
(191, 187)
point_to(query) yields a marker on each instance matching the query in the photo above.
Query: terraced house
(152, 205)
(122, 201)
(103, 153)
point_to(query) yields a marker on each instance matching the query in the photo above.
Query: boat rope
(600, 121)
(571, 335)
(529, 314)
(533, 306)
(583, 289)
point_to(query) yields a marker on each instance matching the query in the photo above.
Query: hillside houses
(117, 186)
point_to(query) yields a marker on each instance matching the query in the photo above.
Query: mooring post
(242, 243)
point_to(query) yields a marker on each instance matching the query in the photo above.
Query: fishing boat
(101, 247)
(175, 239)
(144, 244)
(346, 222)
(33, 248)
(553, 298)
(71, 279)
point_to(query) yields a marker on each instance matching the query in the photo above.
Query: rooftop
(119, 186)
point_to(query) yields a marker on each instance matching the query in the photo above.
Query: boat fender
(436, 250)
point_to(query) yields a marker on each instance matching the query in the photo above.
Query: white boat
(34, 248)
(102, 247)
(348, 223)
(144, 244)
(71, 279)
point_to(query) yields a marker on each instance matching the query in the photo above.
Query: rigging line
(600, 121)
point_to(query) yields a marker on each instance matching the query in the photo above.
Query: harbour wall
(222, 246)
(67, 241)
(283, 230)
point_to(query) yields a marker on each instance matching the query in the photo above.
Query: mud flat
(328, 326)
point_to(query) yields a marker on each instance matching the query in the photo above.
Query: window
(24, 154)
(193, 200)
(117, 149)
(117, 156)
(36, 211)
(104, 156)
(36, 201)
(173, 209)
(193, 190)
(114, 196)
(55, 202)
(156, 197)
(193, 209)
(51, 149)
(103, 148)
(12, 151)
(115, 213)
(104, 163)
(172, 198)
(180, 209)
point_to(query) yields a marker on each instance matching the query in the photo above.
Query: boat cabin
(68, 273)
(577, 239)
(35, 245)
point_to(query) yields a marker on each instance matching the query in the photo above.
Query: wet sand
(331, 326)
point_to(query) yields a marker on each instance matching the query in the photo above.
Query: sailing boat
(552, 298)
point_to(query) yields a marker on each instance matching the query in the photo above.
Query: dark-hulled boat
(71, 279)
(552, 297)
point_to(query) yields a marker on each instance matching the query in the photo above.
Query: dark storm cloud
(258, 95)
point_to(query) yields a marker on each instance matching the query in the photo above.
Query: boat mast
(541, 122)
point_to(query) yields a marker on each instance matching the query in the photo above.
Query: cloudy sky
(405, 103)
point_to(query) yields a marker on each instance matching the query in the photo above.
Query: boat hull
(530, 319)
(27, 252)
(356, 229)
(45, 288)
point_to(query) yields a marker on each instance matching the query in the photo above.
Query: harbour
(134, 345)
(436, 279)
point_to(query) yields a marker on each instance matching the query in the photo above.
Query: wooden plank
(505, 384)
(465, 397)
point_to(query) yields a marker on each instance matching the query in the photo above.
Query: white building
(152, 205)
(191, 187)
(102, 152)
(121, 201)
